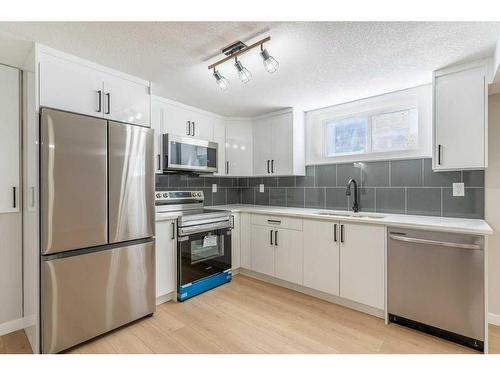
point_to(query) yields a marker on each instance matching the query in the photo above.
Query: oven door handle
(204, 228)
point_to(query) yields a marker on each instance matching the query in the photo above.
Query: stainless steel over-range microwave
(189, 154)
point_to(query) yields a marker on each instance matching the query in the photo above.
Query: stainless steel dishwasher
(435, 283)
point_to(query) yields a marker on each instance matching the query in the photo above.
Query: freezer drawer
(131, 182)
(73, 176)
(437, 279)
(86, 295)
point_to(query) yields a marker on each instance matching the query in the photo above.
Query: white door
(9, 139)
(321, 256)
(176, 120)
(202, 126)
(165, 257)
(460, 120)
(70, 86)
(362, 263)
(235, 242)
(262, 250)
(289, 255)
(157, 114)
(219, 136)
(245, 241)
(282, 144)
(262, 147)
(239, 147)
(126, 101)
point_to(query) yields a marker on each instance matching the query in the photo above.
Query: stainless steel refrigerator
(97, 266)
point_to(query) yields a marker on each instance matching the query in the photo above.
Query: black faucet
(355, 206)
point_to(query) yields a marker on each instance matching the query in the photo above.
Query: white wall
(492, 203)
(420, 96)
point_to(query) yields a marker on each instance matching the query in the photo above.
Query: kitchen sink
(352, 214)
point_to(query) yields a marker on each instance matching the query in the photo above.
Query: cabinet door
(245, 241)
(157, 114)
(219, 137)
(165, 257)
(262, 147)
(282, 144)
(459, 100)
(176, 120)
(9, 139)
(321, 256)
(289, 255)
(70, 86)
(235, 242)
(239, 148)
(362, 264)
(126, 101)
(262, 250)
(202, 126)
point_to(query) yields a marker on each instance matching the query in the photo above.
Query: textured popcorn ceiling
(321, 63)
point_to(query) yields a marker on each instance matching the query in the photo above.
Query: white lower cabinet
(235, 242)
(321, 256)
(362, 248)
(165, 257)
(263, 249)
(288, 245)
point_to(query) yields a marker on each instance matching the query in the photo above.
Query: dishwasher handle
(436, 243)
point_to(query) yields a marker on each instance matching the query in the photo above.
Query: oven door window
(203, 254)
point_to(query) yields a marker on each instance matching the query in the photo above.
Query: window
(347, 136)
(383, 131)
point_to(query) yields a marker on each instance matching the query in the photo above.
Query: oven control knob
(193, 194)
(158, 195)
(165, 195)
(199, 193)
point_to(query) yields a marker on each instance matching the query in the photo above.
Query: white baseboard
(13, 325)
(494, 319)
(165, 298)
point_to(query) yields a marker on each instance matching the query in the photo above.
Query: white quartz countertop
(444, 224)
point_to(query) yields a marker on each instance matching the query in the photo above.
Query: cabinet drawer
(277, 221)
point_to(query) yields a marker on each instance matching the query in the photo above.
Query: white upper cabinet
(126, 101)
(238, 148)
(219, 136)
(460, 117)
(70, 86)
(9, 139)
(76, 85)
(182, 120)
(279, 144)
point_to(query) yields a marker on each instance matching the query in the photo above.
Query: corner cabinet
(279, 144)
(76, 85)
(460, 117)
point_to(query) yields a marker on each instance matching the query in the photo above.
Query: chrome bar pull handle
(108, 96)
(99, 98)
(271, 237)
(334, 232)
(275, 238)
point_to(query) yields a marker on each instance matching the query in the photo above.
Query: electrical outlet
(214, 188)
(458, 189)
(261, 188)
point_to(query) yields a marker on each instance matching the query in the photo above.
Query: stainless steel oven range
(203, 242)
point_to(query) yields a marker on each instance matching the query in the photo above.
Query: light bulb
(243, 72)
(222, 82)
(270, 63)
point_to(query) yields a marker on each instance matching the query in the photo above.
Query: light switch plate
(261, 188)
(458, 189)
(214, 188)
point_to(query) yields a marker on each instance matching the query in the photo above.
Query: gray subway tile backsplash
(395, 186)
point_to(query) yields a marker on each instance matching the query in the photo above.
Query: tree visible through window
(347, 136)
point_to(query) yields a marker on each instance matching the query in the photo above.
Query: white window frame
(368, 141)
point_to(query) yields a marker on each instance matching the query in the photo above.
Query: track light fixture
(221, 80)
(243, 72)
(239, 48)
(270, 62)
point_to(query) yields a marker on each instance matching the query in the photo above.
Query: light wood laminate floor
(251, 316)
